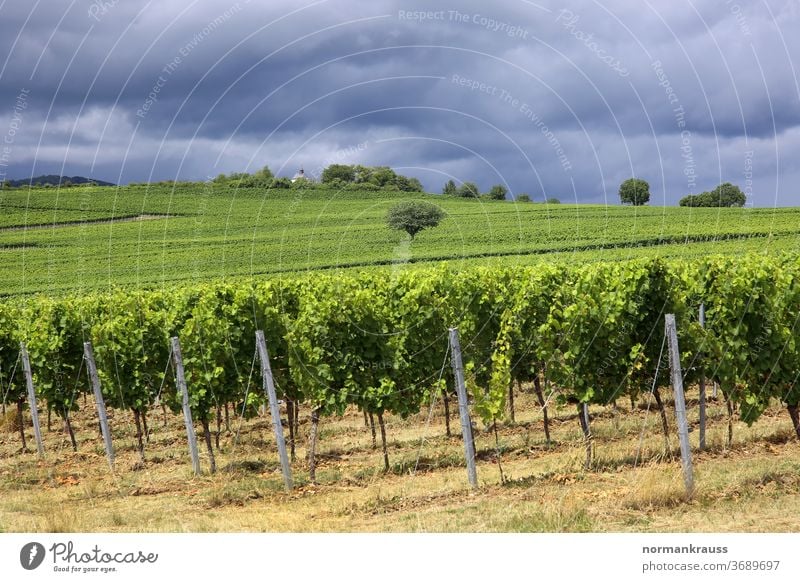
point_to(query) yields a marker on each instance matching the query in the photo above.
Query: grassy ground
(753, 485)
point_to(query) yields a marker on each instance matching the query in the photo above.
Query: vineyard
(378, 344)
(560, 312)
(57, 241)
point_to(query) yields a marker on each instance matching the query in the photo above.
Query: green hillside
(53, 240)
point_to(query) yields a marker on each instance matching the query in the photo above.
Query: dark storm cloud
(550, 98)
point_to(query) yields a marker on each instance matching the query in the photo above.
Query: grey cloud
(166, 89)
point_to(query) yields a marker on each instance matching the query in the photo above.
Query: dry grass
(752, 486)
(9, 422)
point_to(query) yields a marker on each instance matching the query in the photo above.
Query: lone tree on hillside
(468, 190)
(634, 191)
(498, 192)
(413, 217)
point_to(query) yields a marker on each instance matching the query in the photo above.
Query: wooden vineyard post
(37, 430)
(88, 353)
(187, 410)
(269, 389)
(463, 408)
(702, 387)
(680, 403)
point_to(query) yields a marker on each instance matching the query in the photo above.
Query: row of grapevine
(378, 341)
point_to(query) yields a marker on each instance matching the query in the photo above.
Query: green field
(353, 351)
(56, 240)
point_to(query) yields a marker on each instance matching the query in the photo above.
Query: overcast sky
(549, 98)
